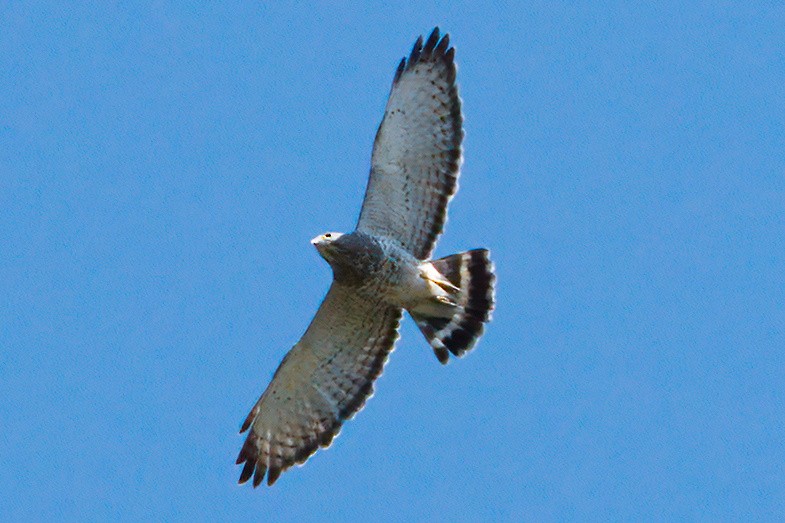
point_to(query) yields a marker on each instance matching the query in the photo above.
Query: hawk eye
(328, 235)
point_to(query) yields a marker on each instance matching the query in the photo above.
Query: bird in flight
(380, 269)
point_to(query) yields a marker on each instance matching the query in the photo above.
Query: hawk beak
(319, 243)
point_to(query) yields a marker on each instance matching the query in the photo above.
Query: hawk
(380, 269)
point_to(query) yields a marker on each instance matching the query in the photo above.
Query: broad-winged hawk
(380, 269)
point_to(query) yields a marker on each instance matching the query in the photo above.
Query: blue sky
(163, 167)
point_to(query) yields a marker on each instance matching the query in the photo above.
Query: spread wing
(325, 379)
(417, 152)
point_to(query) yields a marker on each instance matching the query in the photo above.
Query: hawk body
(380, 269)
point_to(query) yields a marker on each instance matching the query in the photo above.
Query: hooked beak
(319, 243)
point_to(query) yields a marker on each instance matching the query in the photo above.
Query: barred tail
(457, 330)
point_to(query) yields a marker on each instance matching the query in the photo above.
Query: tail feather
(472, 273)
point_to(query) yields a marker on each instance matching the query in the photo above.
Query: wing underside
(417, 152)
(323, 381)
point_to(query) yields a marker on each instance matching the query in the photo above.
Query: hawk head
(353, 257)
(325, 244)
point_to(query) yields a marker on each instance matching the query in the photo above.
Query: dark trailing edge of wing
(249, 454)
(435, 47)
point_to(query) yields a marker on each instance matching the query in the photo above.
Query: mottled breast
(373, 264)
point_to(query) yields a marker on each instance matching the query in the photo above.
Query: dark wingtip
(416, 51)
(444, 43)
(272, 476)
(249, 419)
(401, 69)
(437, 46)
(450, 54)
(258, 476)
(245, 475)
(247, 452)
(430, 44)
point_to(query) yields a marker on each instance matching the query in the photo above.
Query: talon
(446, 301)
(441, 282)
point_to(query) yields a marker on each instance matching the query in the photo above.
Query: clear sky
(163, 167)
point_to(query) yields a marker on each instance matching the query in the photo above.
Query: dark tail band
(472, 273)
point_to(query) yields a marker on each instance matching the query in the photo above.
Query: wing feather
(323, 381)
(417, 152)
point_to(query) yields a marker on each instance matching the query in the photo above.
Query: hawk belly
(406, 282)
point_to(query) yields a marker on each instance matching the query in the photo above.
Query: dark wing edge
(272, 454)
(435, 49)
